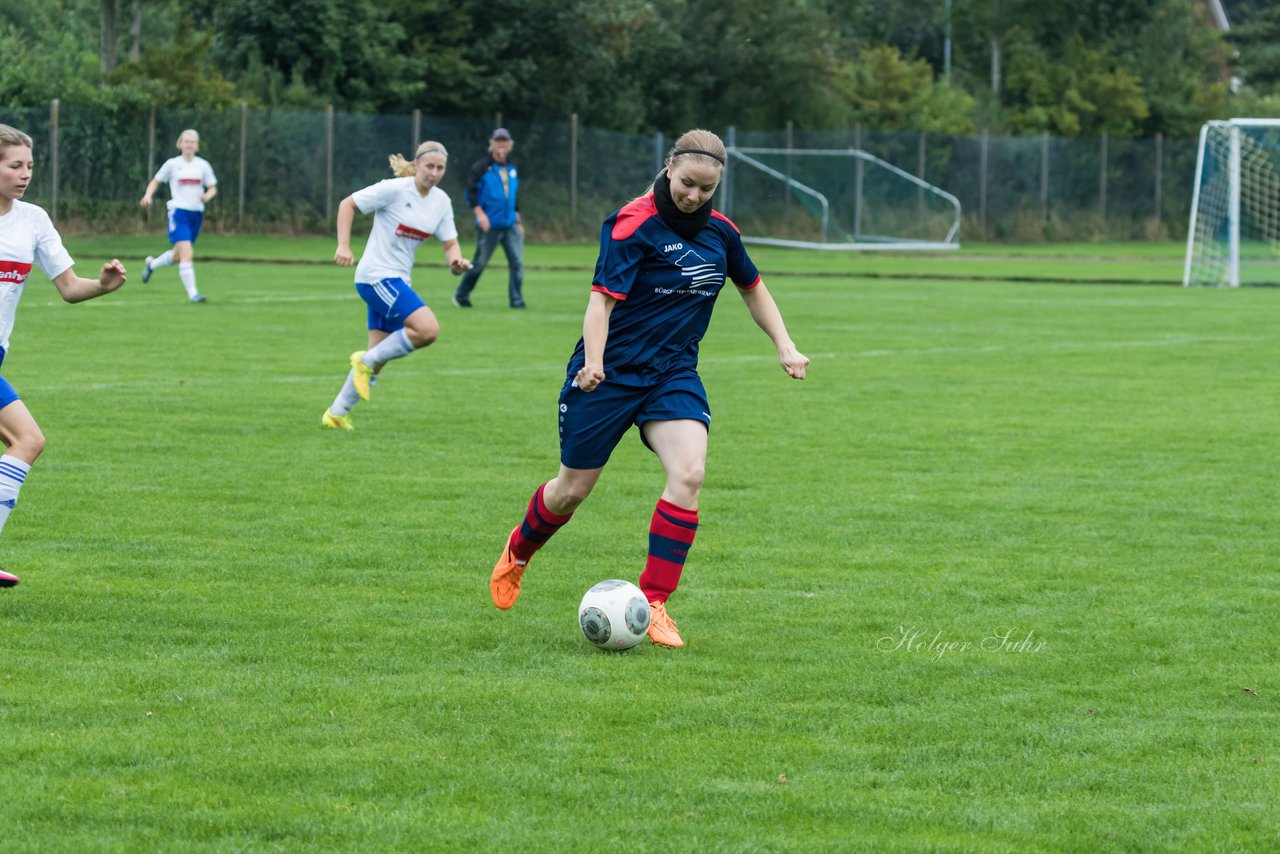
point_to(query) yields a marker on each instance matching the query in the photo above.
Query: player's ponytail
(405, 168)
(11, 137)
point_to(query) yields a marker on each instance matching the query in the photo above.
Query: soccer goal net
(1234, 235)
(836, 199)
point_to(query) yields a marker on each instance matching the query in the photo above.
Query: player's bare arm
(346, 213)
(764, 311)
(145, 201)
(595, 332)
(453, 254)
(74, 288)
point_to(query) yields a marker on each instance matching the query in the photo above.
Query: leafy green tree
(890, 92)
(1257, 48)
(347, 51)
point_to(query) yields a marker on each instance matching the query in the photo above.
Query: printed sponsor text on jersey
(14, 272)
(403, 230)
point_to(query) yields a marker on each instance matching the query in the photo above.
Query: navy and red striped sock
(671, 535)
(538, 526)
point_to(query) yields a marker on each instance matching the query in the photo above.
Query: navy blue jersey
(666, 287)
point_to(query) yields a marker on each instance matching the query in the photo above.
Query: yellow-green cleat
(336, 422)
(361, 374)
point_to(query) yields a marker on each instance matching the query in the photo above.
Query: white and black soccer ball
(614, 615)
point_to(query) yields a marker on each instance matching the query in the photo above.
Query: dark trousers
(513, 245)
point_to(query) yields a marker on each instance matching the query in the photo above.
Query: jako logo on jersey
(412, 233)
(672, 247)
(14, 272)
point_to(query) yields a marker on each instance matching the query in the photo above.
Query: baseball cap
(500, 133)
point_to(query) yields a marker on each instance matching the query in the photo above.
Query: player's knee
(421, 336)
(28, 445)
(688, 478)
(569, 496)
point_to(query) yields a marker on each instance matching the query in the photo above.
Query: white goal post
(1233, 238)
(836, 199)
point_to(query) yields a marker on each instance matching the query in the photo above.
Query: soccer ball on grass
(614, 615)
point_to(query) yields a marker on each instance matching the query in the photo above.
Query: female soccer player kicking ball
(27, 236)
(663, 260)
(406, 211)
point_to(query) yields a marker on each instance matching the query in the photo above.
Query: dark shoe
(8, 579)
(461, 302)
(517, 305)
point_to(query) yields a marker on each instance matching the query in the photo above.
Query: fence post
(151, 154)
(1044, 177)
(417, 130)
(573, 168)
(1159, 174)
(920, 169)
(732, 139)
(1102, 178)
(497, 119)
(244, 137)
(53, 160)
(790, 145)
(982, 185)
(328, 164)
(658, 152)
(857, 183)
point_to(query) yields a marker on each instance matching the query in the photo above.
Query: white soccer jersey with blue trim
(402, 219)
(187, 181)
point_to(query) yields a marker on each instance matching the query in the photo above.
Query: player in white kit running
(27, 237)
(191, 185)
(406, 212)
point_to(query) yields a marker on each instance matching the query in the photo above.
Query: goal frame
(744, 156)
(1233, 127)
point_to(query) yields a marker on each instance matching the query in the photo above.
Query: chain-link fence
(287, 170)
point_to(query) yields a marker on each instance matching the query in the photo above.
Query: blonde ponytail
(405, 168)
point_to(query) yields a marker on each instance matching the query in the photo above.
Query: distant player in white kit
(191, 185)
(27, 237)
(407, 210)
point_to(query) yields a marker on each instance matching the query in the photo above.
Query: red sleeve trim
(633, 215)
(601, 289)
(721, 216)
(750, 286)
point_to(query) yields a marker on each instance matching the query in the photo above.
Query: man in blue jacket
(492, 190)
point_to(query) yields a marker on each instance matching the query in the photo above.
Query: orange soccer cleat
(504, 583)
(662, 629)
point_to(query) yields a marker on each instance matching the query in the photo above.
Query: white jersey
(27, 236)
(187, 181)
(402, 219)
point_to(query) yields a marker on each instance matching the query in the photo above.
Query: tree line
(1128, 68)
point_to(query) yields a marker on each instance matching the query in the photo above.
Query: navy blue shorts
(390, 301)
(593, 423)
(7, 394)
(184, 224)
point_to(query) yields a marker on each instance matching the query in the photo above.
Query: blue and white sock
(394, 346)
(13, 472)
(347, 398)
(187, 272)
(162, 260)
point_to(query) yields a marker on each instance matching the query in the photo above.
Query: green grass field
(1001, 575)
